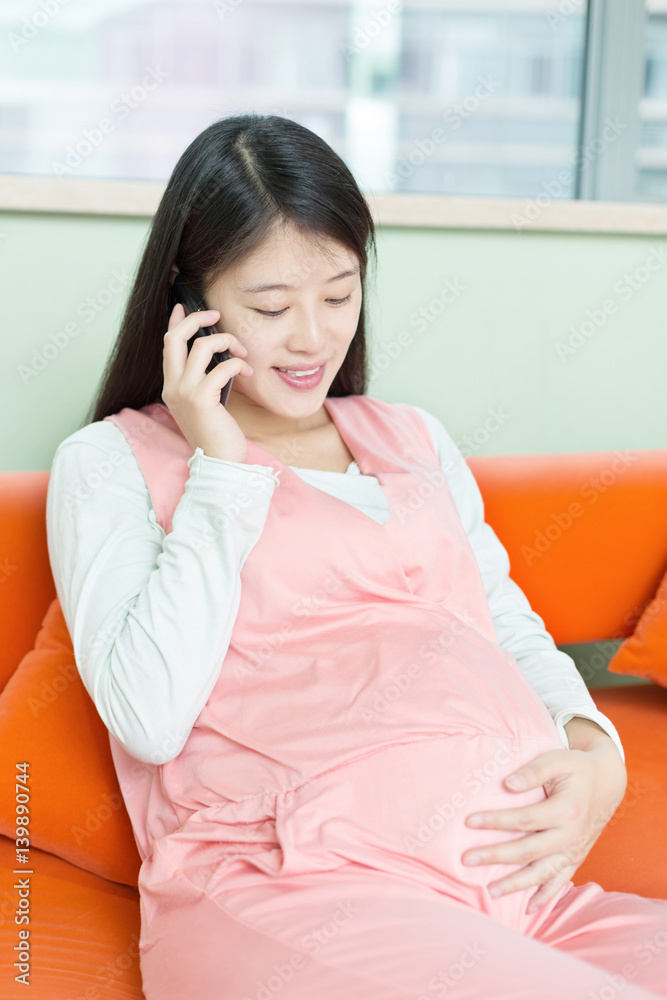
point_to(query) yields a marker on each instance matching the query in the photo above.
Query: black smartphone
(181, 292)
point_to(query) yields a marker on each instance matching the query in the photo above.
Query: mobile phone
(181, 292)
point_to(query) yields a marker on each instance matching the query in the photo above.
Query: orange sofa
(587, 540)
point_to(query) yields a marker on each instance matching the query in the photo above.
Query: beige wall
(484, 359)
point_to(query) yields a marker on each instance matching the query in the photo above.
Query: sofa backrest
(586, 535)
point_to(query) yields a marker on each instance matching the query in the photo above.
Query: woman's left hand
(584, 787)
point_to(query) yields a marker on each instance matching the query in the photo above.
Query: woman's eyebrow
(266, 288)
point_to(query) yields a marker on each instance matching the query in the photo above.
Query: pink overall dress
(306, 842)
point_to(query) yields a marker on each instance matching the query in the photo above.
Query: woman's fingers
(180, 329)
(539, 771)
(191, 393)
(559, 831)
(550, 874)
(539, 816)
(548, 889)
(176, 354)
(177, 314)
(523, 850)
(184, 327)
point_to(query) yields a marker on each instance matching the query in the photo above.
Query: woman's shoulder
(397, 409)
(440, 436)
(99, 436)
(97, 450)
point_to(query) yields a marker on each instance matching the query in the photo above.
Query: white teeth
(298, 374)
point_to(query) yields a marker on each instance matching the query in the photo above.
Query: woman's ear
(172, 274)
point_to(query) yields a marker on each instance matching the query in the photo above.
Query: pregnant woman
(299, 632)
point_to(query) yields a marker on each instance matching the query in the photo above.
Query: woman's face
(315, 319)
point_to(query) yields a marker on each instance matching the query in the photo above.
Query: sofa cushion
(48, 720)
(644, 654)
(84, 932)
(25, 572)
(630, 854)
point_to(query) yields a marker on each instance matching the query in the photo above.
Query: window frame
(615, 37)
(22, 193)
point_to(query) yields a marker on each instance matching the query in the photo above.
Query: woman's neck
(257, 422)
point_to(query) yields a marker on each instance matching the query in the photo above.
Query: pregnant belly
(404, 809)
(400, 810)
(323, 702)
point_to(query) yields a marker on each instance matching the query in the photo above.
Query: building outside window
(496, 98)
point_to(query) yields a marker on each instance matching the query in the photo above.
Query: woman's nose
(308, 334)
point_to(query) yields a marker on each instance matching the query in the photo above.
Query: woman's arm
(150, 614)
(551, 672)
(585, 783)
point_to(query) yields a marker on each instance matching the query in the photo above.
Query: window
(466, 97)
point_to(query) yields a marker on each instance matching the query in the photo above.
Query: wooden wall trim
(22, 193)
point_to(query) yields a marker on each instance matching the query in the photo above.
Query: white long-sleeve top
(151, 614)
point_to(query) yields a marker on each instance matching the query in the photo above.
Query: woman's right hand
(193, 397)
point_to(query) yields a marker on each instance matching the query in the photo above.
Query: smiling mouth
(299, 372)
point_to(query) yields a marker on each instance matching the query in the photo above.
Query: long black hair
(239, 179)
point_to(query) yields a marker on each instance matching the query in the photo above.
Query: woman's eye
(272, 315)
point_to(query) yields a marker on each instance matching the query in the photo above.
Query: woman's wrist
(584, 734)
